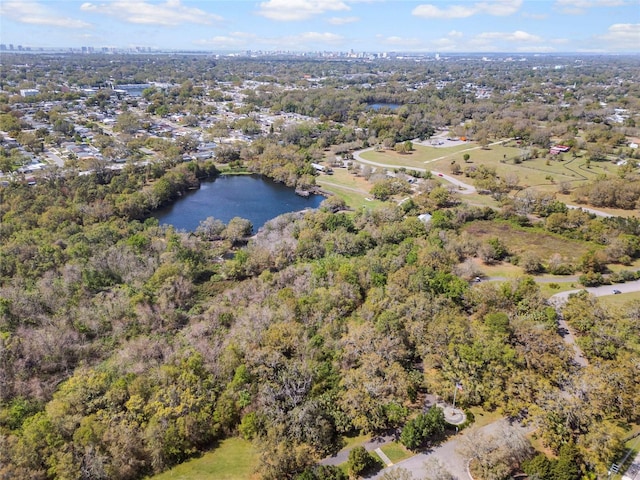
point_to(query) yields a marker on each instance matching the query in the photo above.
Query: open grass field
(620, 301)
(542, 173)
(551, 288)
(233, 459)
(520, 240)
(353, 190)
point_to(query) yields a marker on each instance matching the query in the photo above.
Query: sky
(440, 26)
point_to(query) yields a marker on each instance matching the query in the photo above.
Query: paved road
(55, 159)
(598, 213)
(343, 455)
(627, 287)
(464, 188)
(565, 330)
(447, 453)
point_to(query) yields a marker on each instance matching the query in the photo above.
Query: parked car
(616, 291)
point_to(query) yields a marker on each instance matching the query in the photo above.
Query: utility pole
(456, 387)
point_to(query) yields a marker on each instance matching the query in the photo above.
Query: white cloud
(170, 12)
(622, 36)
(35, 13)
(343, 20)
(292, 10)
(240, 40)
(235, 40)
(396, 41)
(577, 7)
(498, 8)
(455, 34)
(535, 16)
(431, 11)
(517, 36)
(445, 44)
(314, 38)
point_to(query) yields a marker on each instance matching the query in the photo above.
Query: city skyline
(500, 26)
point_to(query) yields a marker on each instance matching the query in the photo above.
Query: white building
(29, 92)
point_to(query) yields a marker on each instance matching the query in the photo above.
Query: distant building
(556, 149)
(29, 92)
(425, 217)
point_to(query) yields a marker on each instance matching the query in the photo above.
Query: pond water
(253, 197)
(390, 106)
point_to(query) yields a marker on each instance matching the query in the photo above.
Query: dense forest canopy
(127, 347)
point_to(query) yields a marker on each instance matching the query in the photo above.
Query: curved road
(463, 188)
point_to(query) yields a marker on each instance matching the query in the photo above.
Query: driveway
(447, 453)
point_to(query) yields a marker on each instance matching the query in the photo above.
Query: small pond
(379, 106)
(253, 197)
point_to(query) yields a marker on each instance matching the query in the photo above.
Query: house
(29, 92)
(556, 149)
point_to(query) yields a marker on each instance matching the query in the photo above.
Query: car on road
(616, 291)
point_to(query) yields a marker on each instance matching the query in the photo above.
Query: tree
(531, 263)
(361, 462)
(496, 455)
(63, 126)
(436, 471)
(322, 472)
(237, 229)
(333, 204)
(127, 122)
(417, 431)
(566, 467)
(398, 474)
(538, 468)
(211, 228)
(466, 157)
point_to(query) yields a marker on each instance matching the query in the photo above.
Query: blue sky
(444, 26)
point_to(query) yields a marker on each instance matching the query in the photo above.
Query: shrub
(591, 279)
(361, 462)
(417, 431)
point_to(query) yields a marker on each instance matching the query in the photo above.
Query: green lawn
(353, 190)
(619, 301)
(233, 459)
(483, 417)
(542, 173)
(548, 289)
(350, 442)
(396, 451)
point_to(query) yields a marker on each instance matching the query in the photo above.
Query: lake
(253, 197)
